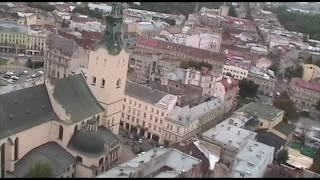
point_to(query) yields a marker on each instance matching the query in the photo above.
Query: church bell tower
(107, 70)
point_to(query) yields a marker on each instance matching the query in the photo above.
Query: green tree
(285, 103)
(40, 169)
(42, 5)
(282, 157)
(29, 63)
(316, 163)
(195, 64)
(292, 72)
(232, 12)
(248, 88)
(274, 68)
(299, 22)
(64, 23)
(318, 106)
(309, 60)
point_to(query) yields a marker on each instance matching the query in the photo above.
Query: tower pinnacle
(113, 33)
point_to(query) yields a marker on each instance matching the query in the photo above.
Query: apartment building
(149, 66)
(264, 80)
(185, 122)
(208, 41)
(230, 137)
(225, 88)
(20, 39)
(144, 110)
(79, 23)
(237, 69)
(252, 160)
(64, 57)
(182, 53)
(310, 71)
(268, 116)
(304, 94)
(158, 163)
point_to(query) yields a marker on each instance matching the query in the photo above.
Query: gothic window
(79, 159)
(118, 83)
(94, 79)
(100, 161)
(16, 149)
(60, 132)
(103, 82)
(3, 160)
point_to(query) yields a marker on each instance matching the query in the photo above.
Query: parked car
(14, 77)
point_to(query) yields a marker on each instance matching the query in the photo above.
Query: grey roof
(12, 27)
(142, 92)
(76, 97)
(166, 158)
(261, 110)
(23, 109)
(187, 115)
(270, 139)
(51, 153)
(92, 142)
(67, 46)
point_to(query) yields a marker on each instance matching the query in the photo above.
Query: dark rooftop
(23, 109)
(142, 92)
(92, 142)
(67, 46)
(51, 153)
(76, 97)
(270, 139)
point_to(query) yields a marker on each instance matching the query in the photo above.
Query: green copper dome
(113, 33)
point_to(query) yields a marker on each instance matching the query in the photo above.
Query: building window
(124, 99)
(118, 83)
(103, 82)
(261, 123)
(94, 79)
(3, 148)
(60, 132)
(100, 161)
(16, 149)
(162, 114)
(79, 159)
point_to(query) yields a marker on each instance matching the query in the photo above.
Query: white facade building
(252, 160)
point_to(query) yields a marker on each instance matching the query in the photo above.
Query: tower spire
(113, 33)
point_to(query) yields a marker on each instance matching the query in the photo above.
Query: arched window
(118, 83)
(16, 149)
(94, 79)
(75, 128)
(60, 132)
(100, 161)
(79, 159)
(103, 82)
(98, 118)
(3, 160)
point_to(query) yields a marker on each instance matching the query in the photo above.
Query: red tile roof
(306, 85)
(92, 35)
(191, 51)
(81, 19)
